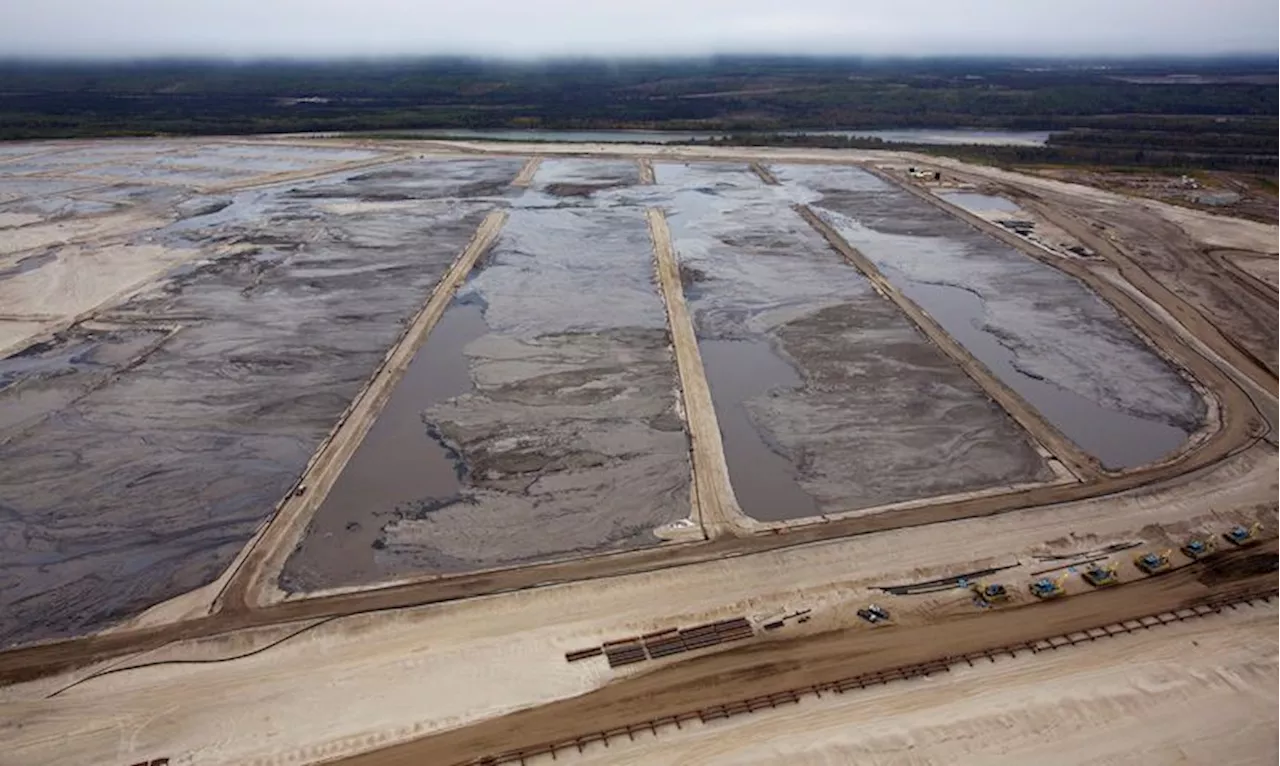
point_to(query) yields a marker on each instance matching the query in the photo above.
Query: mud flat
(45, 377)
(828, 398)
(580, 178)
(1040, 332)
(561, 435)
(149, 484)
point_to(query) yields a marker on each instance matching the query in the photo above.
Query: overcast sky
(528, 28)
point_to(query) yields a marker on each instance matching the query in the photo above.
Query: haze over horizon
(541, 28)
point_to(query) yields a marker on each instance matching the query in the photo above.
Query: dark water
(764, 481)
(1116, 438)
(401, 464)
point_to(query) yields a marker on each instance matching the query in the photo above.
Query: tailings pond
(136, 462)
(559, 422)
(829, 400)
(1043, 333)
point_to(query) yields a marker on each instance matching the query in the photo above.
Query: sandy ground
(1203, 691)
(1264, 268)
(59, 233)
(15, 334)
(81, 278)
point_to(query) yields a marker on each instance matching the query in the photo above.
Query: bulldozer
(1100, 576)
(1197, 547)
(989, 593)
(1045, 588)
(1153, 563)
(1242, 536)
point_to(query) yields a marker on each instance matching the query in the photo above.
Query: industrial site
(355, 450)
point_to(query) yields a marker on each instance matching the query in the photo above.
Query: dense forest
(1217, 113)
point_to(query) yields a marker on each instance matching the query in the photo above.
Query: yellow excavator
(1153, 563)
(1100, 576)
(989, 593)
(1045, 588)
(1199, 547)
(1242, 536)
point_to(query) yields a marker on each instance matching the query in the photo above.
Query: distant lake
(941, 136)
(563, 136)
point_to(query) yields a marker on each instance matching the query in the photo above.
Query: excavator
(1153, 563)
(988, 594)
(1100, 576)
(1045, 588)
(1243, 536)
(1199, 547)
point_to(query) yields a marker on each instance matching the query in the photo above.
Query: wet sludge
(1041, 332)
(148, 487)
(860, 406)
(566, 439)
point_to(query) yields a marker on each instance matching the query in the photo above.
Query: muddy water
(1114, 438)
(763, 479)
(1041, 332)
(828, 398)
(148, 485)
(402, 466)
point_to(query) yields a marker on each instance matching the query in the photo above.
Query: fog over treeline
(538, 28)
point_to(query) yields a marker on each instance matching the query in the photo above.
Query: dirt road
(717, 508)
(525, 177)
(646, 171)
(774, 666)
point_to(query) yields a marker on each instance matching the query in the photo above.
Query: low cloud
(532, 28)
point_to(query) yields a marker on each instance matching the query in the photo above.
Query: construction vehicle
(874, 614)
(1046, 588)
(1152, 563)
(1239, 535)
(1100, 576)
(990, 593)
(1197, 548)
